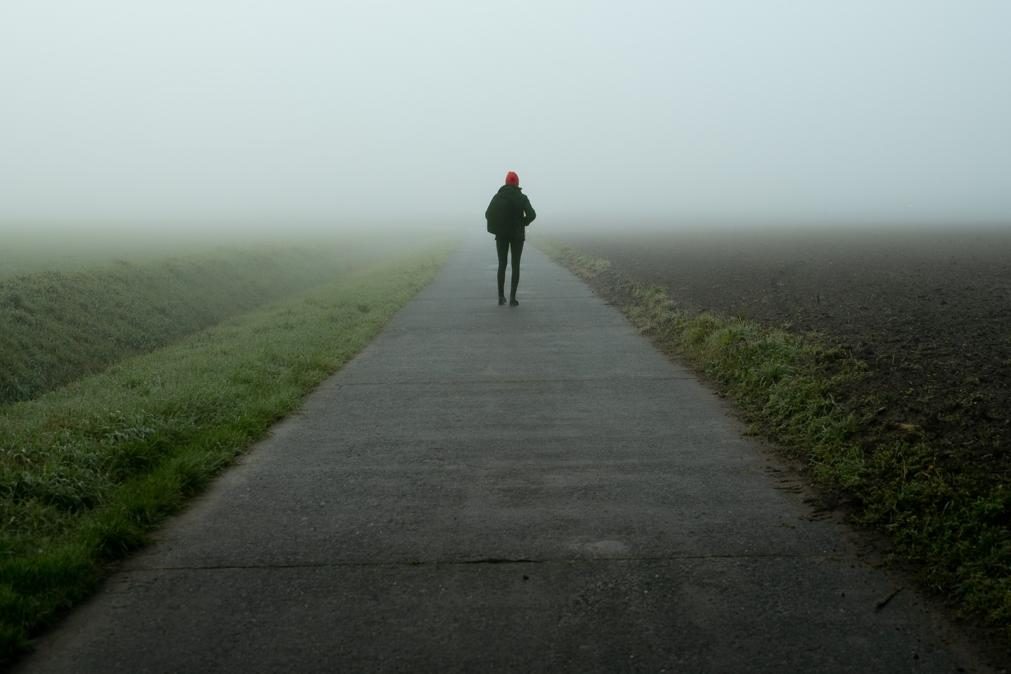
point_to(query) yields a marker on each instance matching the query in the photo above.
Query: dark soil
(928, 312)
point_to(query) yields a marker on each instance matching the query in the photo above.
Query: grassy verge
(953, 525)
(57, 326)
(88, 470)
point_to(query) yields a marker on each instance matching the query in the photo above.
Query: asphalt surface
(489, 488)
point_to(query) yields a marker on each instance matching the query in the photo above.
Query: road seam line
(490, 561)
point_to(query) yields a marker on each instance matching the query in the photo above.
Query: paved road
(486, 488)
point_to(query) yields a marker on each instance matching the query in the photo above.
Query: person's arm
(528, 211)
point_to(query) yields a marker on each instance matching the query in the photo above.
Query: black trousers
(503, 246)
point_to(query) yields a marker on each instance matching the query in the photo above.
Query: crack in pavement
(478, 381)
(481, 561)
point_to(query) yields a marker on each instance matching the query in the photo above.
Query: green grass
(27, 250)
(56, 326)
(953, 525)
(84, 246)
(87, 470)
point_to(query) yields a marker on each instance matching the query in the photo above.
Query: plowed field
(929, 312)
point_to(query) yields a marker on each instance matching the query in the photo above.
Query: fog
(233, 113)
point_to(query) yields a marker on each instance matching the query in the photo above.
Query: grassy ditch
(56, 326)
(88, 470)
(952, 524)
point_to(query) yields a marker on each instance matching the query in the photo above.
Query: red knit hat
(512, 179)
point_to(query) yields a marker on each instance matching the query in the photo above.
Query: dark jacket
(509, 213)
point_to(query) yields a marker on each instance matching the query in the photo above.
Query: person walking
(508, 216)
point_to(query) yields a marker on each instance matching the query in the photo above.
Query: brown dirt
(929, 312)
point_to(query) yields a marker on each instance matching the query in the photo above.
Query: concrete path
(496, 489)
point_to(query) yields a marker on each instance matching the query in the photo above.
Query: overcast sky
(756, 110)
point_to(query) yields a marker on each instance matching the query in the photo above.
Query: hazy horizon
(230, 115)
